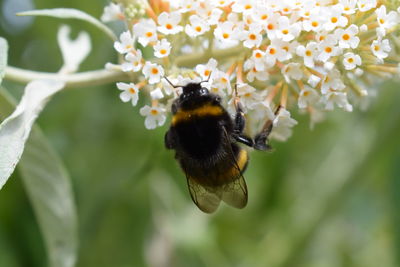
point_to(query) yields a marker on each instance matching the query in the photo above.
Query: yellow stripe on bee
(202, 111)
(242, 159)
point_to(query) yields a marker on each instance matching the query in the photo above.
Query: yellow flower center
(153, 112)
(350, 60)
(328, 49)
(314, 23)
(168, 26)
(346, 37)
(149, 34)
(334, 20)
(308, 53)
(272, 51)
(252, 36)
(377, 48)
(285, 31)
(163, 51)
(154, 71)
(198, 29)
(132, 91)
(225, 35)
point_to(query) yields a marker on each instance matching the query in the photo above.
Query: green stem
(82, 79)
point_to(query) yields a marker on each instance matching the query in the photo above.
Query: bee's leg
(261, 139)
(169, 140)
(239, 124)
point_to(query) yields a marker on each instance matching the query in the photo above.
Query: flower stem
(82, 79)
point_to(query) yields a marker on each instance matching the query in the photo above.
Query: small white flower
(112, 12)
(381, 48)
(332, 81)
(328, 48)
(338, 98)
(351, 61)
(307, 97)
(252, 72)
(347, 38)
(154, 116)
(224, 33)
(315, 22)
(253, 37)
(386, 21)
(349, 6)
(334, 17)
(282, 125)
(153, 72)
(309, 53)
(292, 71)
(169, 23)
(313, 80)
(162, 48)
(243, 6)
(206, 70)
(287, 31)
(146, 31)
(130, 92)
(156, 94)
(134, 61)
(126, 43)
(365, 5)
(248, 95)
(197, 26)
(221, 82)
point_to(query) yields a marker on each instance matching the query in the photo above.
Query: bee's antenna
(175, 86)
(207, 78)
(236, 93)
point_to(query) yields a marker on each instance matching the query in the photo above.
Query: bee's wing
(207, 199)
(235, 192)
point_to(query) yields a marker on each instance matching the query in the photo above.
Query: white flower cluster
(316, 54)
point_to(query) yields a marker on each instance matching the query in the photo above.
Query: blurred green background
(327, 197)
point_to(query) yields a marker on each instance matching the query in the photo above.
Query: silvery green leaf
(15, 129)
(70, 13)
(73, 51)
(49, 189)
(3, 57)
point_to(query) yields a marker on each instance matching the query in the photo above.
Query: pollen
(285, 31)
(153, 112)
(350, 60)
(314, 23)
(321, 38)
(252, 36)
(377, 48)
(334, 20)
(328, 49)
(346, 8)
(154, 71)
(163, 51)
(149, 34)
(286, 9)
(381, 21)
(247, 6)
(272, 51)
(225, 35)
(128, 47)
(346, 37)
(308, 53)
(258, 55)
(270, 26)
(168, 26)
(132, 91)
(221, 2)
(264, 17)
(206, 72)
(198, 28)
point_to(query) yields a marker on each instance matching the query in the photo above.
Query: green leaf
(49, 189)
(15, 129)
(70, 13)
(3, 57)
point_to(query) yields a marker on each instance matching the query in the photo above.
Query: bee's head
(193, 90)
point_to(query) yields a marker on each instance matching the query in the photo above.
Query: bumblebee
(205, 139)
